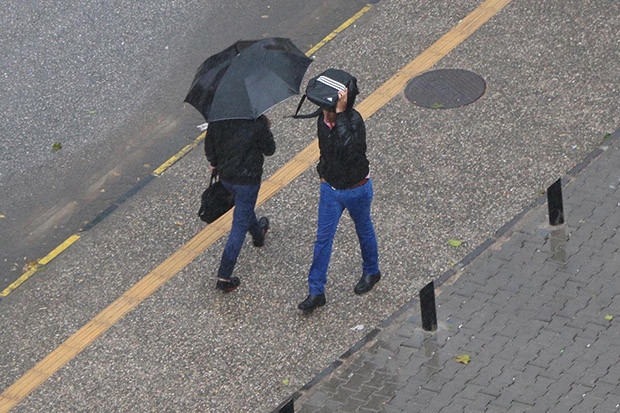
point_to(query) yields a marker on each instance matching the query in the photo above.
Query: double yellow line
(188, 252)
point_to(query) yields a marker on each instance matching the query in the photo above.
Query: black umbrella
(247, 78)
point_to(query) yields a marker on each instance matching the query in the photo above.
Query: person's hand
(211, 168)
(343, 99)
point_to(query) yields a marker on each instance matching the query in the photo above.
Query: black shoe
(228, 286)
(366, 283)
(311, 302)
(263, 223)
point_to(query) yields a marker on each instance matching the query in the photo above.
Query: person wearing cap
(237, 148)
(345, 184)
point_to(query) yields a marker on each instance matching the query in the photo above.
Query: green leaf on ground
(57, 146)
(465, 359)
(609, 317)
(286, 382)
(455, 242)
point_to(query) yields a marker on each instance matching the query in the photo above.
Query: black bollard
(427, 306)
(554, 202)
(289, 407)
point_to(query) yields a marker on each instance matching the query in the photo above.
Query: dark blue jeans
(244, 220)
(332, 203)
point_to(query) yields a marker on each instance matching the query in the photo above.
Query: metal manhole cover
(445, 88)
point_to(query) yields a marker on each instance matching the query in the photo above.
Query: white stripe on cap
(331, 83)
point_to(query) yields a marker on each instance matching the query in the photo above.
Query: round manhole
(445, 88)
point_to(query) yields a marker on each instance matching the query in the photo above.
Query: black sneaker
(263, 223)
(228, 286)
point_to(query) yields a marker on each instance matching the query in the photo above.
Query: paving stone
(487, 374)
(343, 395)
(609, 405)
(375, 403)
(482, 402)
(317, 399)
(517, 407)
(350, 405)
(366, 370)
(504, 400)
(589, 404)
(332, 386)
(400, 400)
(393, 409)
(455, 405)
(387, 390)
(471, 391)
(377, 381)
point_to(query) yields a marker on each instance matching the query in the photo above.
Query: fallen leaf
(286, 382)
(56, 146)
(178, 224)
(2, 216)
(463, 359)
(92, 112)
(609, 317)
(30, 265)
(455, 242)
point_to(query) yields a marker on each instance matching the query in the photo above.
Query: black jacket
(343, 161)
(237, 149)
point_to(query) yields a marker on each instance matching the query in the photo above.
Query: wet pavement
(465, 174)
(529, 323)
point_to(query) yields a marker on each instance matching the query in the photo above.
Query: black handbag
(216, 200)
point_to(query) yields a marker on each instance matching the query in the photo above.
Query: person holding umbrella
(345, 181)
(232, 89)
(236, 149)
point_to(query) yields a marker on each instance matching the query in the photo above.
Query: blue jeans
(244, 220)
(332, 203)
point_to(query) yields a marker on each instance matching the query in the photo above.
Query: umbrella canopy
(247, 78)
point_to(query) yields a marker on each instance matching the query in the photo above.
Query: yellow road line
(338, 30)
(179, 155)
(194, 247)
(55, 252)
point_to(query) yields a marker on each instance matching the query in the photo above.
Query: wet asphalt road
(92, 100)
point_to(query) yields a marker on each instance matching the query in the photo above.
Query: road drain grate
(445, 88)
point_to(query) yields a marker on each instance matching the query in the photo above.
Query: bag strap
(214, 177)
(306, 116)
